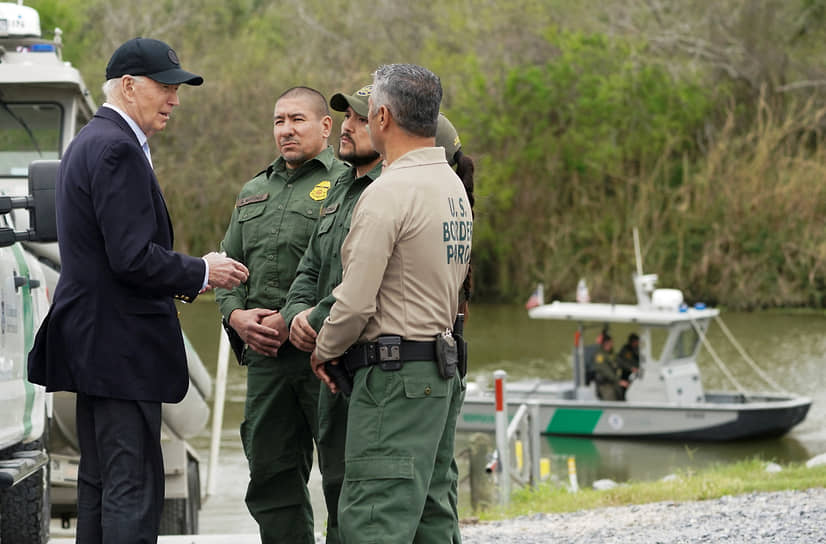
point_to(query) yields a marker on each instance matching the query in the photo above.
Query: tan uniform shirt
(405, 257)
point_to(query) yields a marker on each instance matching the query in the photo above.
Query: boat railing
(722, 366)
(759, 371)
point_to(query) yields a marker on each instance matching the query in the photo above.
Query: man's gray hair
(411, 93)
(110, 85)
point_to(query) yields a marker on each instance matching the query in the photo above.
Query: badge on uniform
(319, 192)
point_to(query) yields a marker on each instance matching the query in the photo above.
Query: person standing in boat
(591, 351)
(628, 357)
(610, 384)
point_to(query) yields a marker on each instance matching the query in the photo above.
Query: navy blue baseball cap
(151, 58)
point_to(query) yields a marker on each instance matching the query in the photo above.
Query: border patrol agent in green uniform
(269, 230)
(319, 272)
(610, 385)
(404, 263)
(310, 296)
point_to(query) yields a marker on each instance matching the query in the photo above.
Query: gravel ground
(782, 517)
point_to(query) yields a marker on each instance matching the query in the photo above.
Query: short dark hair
(412, 94)
(317, 99)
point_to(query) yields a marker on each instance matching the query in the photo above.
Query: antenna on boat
(643, 284)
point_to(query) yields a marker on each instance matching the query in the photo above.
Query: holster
(461, 344)
(340, 376)
(447, 354)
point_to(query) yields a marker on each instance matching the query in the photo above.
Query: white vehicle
(24, 502)
(43, 104)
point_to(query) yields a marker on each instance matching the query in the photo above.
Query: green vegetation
(736, 479)
(699, 123)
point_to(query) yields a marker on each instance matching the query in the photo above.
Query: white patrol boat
(666, 400)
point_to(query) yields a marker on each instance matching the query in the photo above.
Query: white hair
(110, 86)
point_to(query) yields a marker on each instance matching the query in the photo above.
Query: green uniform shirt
(320, 268)
(270, 227)
(605, 367)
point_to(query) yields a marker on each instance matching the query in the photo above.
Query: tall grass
(746, 227)
(737, 221)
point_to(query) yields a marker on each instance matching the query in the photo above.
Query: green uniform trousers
(400, 475)
(332, 435)
(280, 423)
(610, 391)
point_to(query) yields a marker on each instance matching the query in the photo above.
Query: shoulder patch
(599, 358)
(319, 192)
(252, 199)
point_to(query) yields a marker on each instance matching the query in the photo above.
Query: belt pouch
(447, 354)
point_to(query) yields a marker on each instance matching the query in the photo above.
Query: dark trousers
(120, 486)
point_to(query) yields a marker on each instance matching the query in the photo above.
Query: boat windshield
(28, 132)
(685, 345)
(671, 345)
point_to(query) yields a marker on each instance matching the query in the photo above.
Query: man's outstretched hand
(224, 272)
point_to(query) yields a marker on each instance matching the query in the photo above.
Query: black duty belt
(389, 352)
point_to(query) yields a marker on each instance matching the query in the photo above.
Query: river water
(790, 346)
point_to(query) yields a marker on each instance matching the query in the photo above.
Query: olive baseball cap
(357, 100)
(447, 137)
(151, 58)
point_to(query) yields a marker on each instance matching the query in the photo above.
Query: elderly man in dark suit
(112, 334)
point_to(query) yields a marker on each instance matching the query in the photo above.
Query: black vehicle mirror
(40, 203)
(42, 216)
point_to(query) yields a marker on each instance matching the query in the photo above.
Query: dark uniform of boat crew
(628, 357)
(610, 385)
(269, 230)
(404, 259)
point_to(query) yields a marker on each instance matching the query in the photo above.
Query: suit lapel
(115, 117)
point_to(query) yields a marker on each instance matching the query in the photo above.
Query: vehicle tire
(180, 516)
(25, 509)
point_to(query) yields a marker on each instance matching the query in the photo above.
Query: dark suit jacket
(112, 329)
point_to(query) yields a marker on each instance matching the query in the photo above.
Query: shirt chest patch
(319, 192)
(252, 199)
(329, 210)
